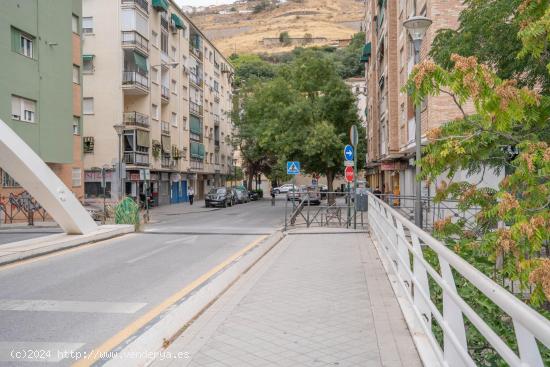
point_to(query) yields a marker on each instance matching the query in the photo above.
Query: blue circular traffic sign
(348, 153)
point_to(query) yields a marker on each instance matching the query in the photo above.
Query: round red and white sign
(349, 174)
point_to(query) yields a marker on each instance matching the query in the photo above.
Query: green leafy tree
(284, 38)
(489, 30)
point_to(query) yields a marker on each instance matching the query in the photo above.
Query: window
(173, 54)
(88, 64)
(22, 43)
(155, 38)
(88, 106)
(155, 112)
(8, 181)
(23, 109)
(174, 87)
(76, 74)
(87, 25)
(76, 125)
(77, 177)
(164, 42)
(74, 24)
(174, 119)
(155, 75)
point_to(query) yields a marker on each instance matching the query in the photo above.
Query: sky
(203, 2)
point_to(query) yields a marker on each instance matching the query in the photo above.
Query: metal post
(286, 213)
(121, 189)
(146, 201)
(355, 187)
(104, 183)
(308, 204)
(348, 220)
(418, 147)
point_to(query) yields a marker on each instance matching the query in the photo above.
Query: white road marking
(19, 352)
(183, 239)
(69, 306)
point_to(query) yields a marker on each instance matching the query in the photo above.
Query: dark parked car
(253, 195)
(242, 195)
(220, 196)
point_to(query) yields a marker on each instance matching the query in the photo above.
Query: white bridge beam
(30, 171)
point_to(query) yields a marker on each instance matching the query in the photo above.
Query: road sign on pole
(292, 168)
(348, 153)
(354, 136)
(350, 174)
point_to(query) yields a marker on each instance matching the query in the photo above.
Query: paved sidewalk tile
(315, 300)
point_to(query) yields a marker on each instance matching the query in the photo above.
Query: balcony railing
(136, 158)
(143, 4)
(216, 120)
(167, 162)
(136, 119)
(165, 92)
(134, 78)
(196, 165)
(195, 108)
(196, 52)
(134, 39)
(196, 79)
(165, 128)
(164, 23)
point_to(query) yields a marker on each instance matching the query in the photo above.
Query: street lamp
(119, 130)
(417, 27)
(235, 171)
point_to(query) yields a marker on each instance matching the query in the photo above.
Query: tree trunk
(331, 195)
(250, 178)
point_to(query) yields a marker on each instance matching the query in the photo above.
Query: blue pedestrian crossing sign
(292, 168)
(348, 153)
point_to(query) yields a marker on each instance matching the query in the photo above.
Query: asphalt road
(75, 300)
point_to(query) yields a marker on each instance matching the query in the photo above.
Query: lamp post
(235, 172)
(417, 27)
(119, 130)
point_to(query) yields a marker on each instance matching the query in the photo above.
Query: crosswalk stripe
(69, 306)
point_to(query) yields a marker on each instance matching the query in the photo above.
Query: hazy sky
(203, 2)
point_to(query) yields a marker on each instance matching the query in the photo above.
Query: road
(77, 299)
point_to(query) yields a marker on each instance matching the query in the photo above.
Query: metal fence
(449, 321)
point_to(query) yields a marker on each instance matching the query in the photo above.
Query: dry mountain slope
(236, 29)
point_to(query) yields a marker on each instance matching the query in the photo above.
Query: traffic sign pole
(354, 139)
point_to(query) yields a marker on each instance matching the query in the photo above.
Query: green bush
(127, 212)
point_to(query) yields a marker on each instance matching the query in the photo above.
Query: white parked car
(283, 189)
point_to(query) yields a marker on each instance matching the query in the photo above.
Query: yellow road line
(132, 328)
(63, 252)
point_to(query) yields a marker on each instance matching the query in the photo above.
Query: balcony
(167, 162)
(216, 120)
(165, 128)
(196, 165)
(136, 119)
(136, 158)
(196, 79)
(195, 52)
(383, 106)
(164, 23)
(132, 39)
(134, 82)
(165, 94)
(195, 109)
(140, 4)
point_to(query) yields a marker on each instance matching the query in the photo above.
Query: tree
(510, 131)
(249, 68)
(284, 38)
(489, 31)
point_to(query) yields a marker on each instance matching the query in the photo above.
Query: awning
(367, 50)
(177, 21)
(141, 61)
(195, 125)
(143, 139)
(87, 57)
(160, 5)
(166, 144)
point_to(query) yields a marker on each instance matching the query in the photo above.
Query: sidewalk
(314, 300)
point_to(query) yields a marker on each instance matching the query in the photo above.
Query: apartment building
(40, 84)
(149, 68)
(389, 58)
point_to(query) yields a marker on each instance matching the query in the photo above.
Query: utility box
(361, 199)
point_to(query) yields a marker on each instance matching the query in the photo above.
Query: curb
(41, 246)
(158, 333)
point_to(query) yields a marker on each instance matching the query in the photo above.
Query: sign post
(354, 139)
(349, 156)
(292, 168)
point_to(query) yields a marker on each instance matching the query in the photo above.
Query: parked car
(220, 196)
(310, 193)
(283, 189)
(253, 195)
(242, 195)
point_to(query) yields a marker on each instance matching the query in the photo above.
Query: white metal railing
(400, 241)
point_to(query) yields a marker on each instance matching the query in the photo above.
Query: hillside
(235, 28)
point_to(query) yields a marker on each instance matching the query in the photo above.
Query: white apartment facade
(149, 68)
